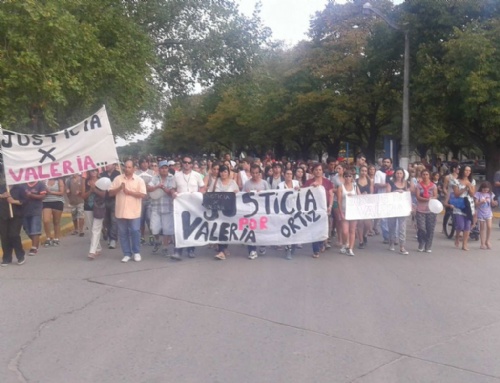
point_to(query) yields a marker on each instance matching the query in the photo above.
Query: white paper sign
(85, 146)
(374, 206)
(272, 217)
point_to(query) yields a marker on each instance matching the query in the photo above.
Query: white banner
(374, 206)
(32, 157)
(273, 217)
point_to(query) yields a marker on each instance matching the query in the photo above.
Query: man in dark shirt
(11, 221)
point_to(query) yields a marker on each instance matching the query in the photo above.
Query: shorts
(54, 205)
(77, 211)
(32, 225)
(163, 223)
(484, 218)
(462, 223)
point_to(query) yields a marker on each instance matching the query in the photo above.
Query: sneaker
(112, 244)
(126, 258)
(361, 245)
(421, 249)
(5, 264)
(156, 248)
(55, 242)
(262, 250)
(176, 256)
(253, 255)
(137, 257)
(191, 254)
(428, 251)
(33, 251)
(391, 247)
(220, 256)
(288, 255)
(143, 241)
(164, 252)
(385, 241)
(404, 251)
(48, 242)
(315, 255)
(343, 250)
(350, 252)
(21, 261)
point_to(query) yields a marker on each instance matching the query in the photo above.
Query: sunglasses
(187, 162)
(348, 176)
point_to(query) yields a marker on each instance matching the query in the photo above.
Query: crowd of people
(139, 199)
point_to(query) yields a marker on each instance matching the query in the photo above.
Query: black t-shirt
(17, 192)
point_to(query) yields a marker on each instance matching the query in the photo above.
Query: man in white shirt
(187, 181)
(147, 175)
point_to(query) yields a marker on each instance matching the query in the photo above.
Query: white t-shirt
(380, 178)
(282, 185)
(191, 182)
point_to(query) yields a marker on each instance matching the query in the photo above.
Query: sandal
(316, 255)
(220, 256)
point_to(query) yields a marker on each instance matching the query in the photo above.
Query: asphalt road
(376, 317)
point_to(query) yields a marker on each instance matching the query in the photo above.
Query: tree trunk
(492, 155)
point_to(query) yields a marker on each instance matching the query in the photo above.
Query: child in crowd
(484, 202)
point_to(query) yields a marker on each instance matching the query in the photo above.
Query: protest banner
(33, 157)
(374, 206)
(272, 217)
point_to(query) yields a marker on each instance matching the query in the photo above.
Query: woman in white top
(464, 186)
(212, 177)
(348, 188)
(224, 184)
(289, 183)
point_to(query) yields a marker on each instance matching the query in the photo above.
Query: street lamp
(405, 134)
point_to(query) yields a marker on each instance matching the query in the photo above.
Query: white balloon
(103, 183)
(157, 194)
(435, 206)
(407, 175)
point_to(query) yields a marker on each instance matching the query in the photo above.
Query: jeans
(317, 246)
(10, 236)
(384, 226)
(130, 235)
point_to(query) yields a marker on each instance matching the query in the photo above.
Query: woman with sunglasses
(347, 189)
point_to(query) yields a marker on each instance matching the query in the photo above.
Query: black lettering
(203, 231)
(232, 232)
(283, 203)
(293, 226)
(300, 216)
(213, 237)
(8, 143)
(74, 132)
(52, 137)
(224, 231)
(250, 237)
(85, 126)
(95, 122)
(214, 216)
(37, 139)
(276, 206)
(21, 142)
(248, 198)
(285, 231)
(187, 227)
(310, 200)
(315, 217)
(267, 202)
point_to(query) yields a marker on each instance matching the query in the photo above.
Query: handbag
(457, 202)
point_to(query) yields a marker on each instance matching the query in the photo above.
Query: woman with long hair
(345, 190)
(398, 184)
(53, 206)
(338, 181)
(289, 183)
(300, 176)
(316, 181)
(211, 178)
(426, 220)
(484, 202)
(463, 187)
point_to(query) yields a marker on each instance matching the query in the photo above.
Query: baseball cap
(163, 163)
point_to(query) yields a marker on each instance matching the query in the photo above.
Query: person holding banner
(110, 230)
(347, 189)
(398, 184)
(129, 190)
(289, 183)
(162, 207)
(32, 221)
(426, 220)
(319, 180)
(11, 221)
(53, 206)
(224, 184)
(187, 181)
(365, 186)
(380, 186)
(255, 184)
